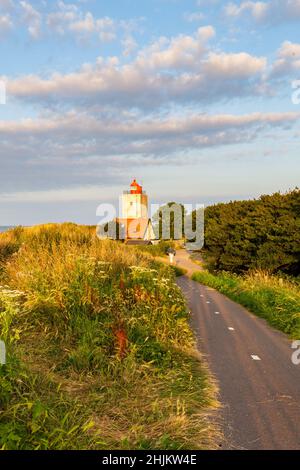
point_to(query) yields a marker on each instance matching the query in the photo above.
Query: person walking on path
(172, 253)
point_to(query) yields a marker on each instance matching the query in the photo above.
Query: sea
(4, 228)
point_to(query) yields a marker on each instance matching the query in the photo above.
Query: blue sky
(193, 98)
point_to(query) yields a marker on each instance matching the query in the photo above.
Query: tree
(263, 233)
(168, 222)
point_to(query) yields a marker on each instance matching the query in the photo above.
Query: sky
(199, 100)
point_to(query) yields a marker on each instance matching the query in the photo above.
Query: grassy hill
(99, 351)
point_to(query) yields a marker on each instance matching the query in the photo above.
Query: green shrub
(257, 234)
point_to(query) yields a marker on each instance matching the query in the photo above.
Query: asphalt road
(259, 386)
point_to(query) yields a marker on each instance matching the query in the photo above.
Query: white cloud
(289, 50)
(6, 5)
(235, 66)
(79, 152)
(69, 18)
(180, 52)
(82, 127)
(288, 60)
(271, 12)
(64, 15)
(32, 18)
(258, 10)
(206, 32)
(129, 45)
(194, 16)
(86, 25)
(107, 36)
(6, 24)
(104, 27)
(182, 69)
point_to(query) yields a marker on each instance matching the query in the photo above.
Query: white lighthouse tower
(134, 203)
(135, 217)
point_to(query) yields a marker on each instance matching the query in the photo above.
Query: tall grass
(275, 298)
(159, 249)
(100, 354)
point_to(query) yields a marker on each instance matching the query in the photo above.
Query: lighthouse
(135, 220)
(135, 203)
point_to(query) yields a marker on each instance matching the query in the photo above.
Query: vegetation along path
(259, 384)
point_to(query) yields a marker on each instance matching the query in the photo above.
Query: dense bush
(256, 234)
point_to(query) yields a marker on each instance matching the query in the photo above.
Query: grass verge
(178, 271)
(274, 298)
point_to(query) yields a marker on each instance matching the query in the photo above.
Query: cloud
(83, 135)
(265, 12)
(180, 52)
(258, 10)
(6, 24)
(68, 18)
(182, 69)
(63, 18)
(77, 150)
(86, 25)
(6, 5)
(32, 18)
(194, 16)
(288, 60)
(86, 125)
(233, 66)
(104, 27)
(129, 45)
(58, 20)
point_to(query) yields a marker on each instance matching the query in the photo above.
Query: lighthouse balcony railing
(129, 192)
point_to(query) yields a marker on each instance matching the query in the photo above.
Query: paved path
(183, 259)
(259, 385)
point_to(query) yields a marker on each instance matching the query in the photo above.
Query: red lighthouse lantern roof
(135, 188)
